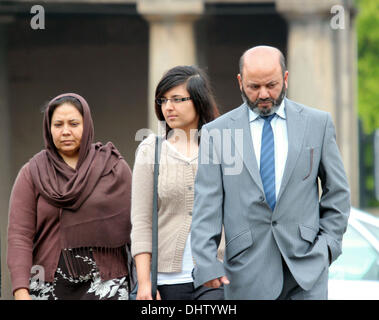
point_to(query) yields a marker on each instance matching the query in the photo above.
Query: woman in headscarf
(69, 215)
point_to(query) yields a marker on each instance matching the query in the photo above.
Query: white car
(355, 274)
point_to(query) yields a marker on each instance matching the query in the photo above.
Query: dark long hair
(198, 87)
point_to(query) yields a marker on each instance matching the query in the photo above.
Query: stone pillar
(171, 40)
(321, 59)
(5, 160)
(346, 60)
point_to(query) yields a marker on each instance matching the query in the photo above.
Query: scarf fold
(94, 198)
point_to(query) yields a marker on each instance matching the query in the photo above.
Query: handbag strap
(154, 254)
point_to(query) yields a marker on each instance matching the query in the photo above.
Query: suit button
(274, 223)
(190, 213)
(261, 198)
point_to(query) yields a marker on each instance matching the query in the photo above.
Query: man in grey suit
(260, 166)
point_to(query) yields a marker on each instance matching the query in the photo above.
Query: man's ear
(286, 79)
(239, 77)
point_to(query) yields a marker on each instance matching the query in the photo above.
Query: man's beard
(266, 111)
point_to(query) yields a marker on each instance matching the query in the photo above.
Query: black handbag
(132, 273)
(154, 253)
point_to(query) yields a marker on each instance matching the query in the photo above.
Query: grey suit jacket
(229, 193)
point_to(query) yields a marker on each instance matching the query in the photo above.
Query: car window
(373, 229)
(358, 261)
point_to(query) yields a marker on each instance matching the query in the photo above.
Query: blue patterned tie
(267, 165)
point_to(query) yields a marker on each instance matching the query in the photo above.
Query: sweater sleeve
(142, 198)
(21, 229)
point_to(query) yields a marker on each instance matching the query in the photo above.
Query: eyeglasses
(162, 101)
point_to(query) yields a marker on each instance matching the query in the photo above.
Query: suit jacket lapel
(296, 124)
(240, 120)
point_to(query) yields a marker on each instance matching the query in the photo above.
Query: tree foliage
(368, 63)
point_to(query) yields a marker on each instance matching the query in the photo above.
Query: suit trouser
(292, 291)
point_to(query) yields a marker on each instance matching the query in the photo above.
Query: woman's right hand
(143, 261)
(144, 292)
(22, 294)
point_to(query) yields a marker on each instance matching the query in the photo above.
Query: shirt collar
(281, 113)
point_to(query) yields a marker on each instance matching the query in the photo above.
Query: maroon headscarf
(94, 198)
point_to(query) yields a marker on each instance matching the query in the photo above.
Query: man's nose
(263, 93)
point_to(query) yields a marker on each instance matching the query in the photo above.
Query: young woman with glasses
(183, 99)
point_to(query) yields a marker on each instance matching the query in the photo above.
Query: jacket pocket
(311, 154)
(307, 233)
(238, 244)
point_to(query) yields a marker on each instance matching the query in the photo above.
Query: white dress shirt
(279, 128)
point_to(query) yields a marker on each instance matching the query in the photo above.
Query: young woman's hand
(143, 261)
(144, 292)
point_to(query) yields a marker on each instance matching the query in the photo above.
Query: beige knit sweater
(175, 202)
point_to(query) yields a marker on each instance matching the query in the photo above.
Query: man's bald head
(263, 79)
(260, 54)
